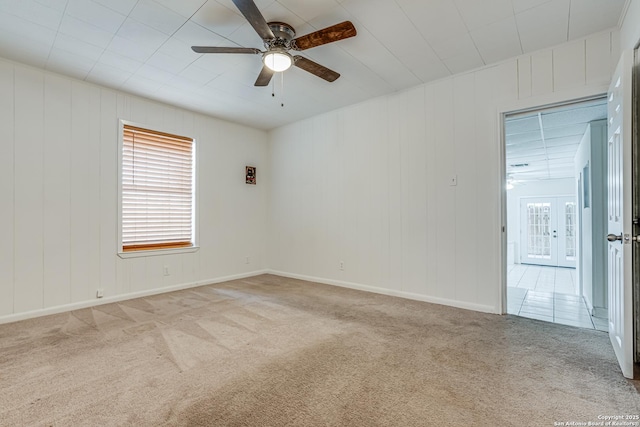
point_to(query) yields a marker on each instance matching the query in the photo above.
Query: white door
(548, 230)
(619, 213)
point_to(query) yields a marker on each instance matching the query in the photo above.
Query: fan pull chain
(282, 89)
(273, 88)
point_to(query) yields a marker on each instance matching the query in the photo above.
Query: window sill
(175, 251)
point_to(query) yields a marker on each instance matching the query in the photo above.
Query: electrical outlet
(165, 270)
(247, 260)
(342, 265)
(99, 293)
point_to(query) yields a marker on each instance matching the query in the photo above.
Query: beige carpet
(269, 351)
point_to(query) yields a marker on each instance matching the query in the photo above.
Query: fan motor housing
(282, 30)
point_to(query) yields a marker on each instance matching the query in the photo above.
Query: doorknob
(613, 237)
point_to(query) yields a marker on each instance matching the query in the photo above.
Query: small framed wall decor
(250, 172)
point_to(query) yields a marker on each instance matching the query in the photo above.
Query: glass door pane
(567, 231)
(539, 235)
(570, 231)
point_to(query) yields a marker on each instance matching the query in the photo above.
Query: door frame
(528, 105)
(635, 197)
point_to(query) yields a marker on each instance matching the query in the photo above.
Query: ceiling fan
(278, 38)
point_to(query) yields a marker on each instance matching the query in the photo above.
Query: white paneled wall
(405, 190)
(574, 65)
(6, 188)
(28, 202)
(58, 186)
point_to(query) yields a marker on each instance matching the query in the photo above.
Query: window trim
(153, 252)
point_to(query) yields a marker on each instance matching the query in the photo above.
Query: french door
(548, 231)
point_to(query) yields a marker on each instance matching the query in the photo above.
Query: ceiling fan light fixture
(278, 39)
(277, 60)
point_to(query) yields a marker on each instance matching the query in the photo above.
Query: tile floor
(549, 294)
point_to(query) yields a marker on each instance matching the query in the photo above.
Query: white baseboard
(391, 292)
(117, 298)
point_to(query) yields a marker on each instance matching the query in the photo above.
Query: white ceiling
(543, 144)
(143, 46)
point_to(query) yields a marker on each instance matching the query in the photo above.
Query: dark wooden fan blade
(340, 31)
(265, 77)
(214, 49)
(252, 14)
(315, 68)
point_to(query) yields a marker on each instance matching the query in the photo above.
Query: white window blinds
(157, 190)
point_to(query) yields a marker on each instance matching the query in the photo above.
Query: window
(157, 190)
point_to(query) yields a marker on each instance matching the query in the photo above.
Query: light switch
(453, 180)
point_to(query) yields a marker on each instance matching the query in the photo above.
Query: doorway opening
(556, 213)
